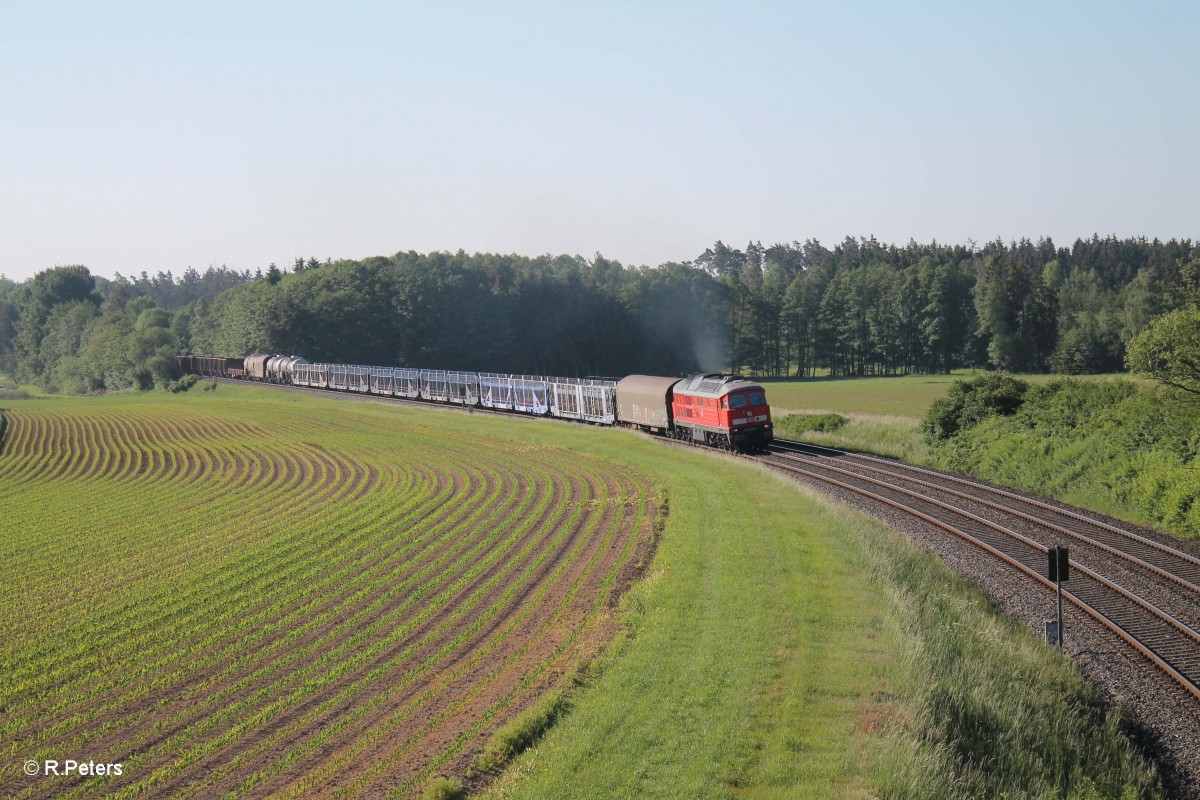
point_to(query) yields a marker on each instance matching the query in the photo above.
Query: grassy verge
(784, 647)
(989, 710)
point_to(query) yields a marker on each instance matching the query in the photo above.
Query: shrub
(971, 401)
(796, 424)
(1110, 445)
(182, 384)
(1061, 406)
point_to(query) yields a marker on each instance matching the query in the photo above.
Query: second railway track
(1142, 590)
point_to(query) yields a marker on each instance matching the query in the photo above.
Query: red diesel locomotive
(723, 411)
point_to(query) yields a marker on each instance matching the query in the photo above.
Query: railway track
(1144, 591)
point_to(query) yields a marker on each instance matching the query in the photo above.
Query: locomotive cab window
(724, 402)
(758, 399)
(737, 400)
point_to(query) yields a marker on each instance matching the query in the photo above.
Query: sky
(165, 135)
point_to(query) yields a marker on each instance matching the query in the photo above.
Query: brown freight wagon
(644, 401)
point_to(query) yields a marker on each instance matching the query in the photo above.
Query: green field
(901, 396)
(884, 413)
(249, 593)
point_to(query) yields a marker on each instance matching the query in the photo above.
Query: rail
(1169, 644)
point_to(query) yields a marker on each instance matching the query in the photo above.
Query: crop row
(257, 604)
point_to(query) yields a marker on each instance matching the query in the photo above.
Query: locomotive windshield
(758, 398)
(737, 400)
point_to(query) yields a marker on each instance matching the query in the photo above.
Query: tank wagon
(256, 366)
(282, 369)
(726, 411)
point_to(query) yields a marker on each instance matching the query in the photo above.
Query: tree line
(860, 307)
(867, 308)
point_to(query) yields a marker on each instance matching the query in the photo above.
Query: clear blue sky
(157, 136)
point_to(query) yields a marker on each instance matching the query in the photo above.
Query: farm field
(374, 595)
(289, 602)
(900, 396)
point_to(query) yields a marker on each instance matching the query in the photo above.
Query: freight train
(725, 411)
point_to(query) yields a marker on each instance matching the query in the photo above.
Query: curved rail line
(1184, 567)
(1171, 645)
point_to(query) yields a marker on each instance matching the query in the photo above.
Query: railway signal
(1059, 569)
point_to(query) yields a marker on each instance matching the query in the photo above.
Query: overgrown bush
(796, 424)
(970, 401)
(1064, 405)
(1110, 445)
(182, 384)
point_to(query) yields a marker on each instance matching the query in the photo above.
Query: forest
(801, 309)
